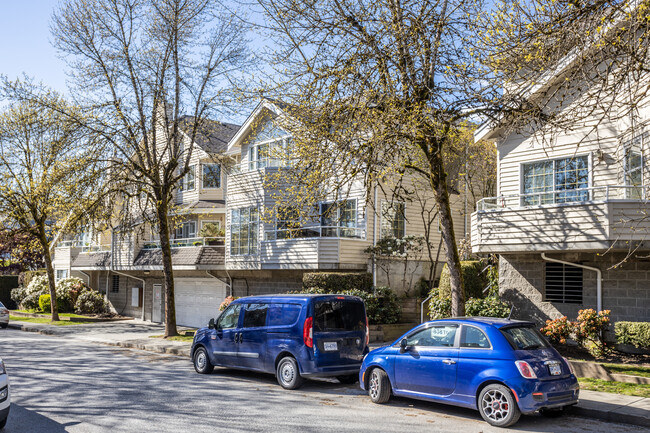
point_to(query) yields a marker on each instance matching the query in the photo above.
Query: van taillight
(367, 332)
(308, 332)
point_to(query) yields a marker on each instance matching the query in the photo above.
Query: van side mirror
(211, 324)
(403, 345)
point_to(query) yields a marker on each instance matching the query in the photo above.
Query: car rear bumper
(4, 319)
(310, 369)
(4, 413)
(533, 396)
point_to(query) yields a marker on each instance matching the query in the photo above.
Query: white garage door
(197, 300)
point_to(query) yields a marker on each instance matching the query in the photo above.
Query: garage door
(197, 300)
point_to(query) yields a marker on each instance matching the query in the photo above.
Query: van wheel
(379, 386)
(202, 362)
(288, 374)
(349, 379)
(497, 406)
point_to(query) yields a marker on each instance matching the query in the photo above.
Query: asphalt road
(67, 385)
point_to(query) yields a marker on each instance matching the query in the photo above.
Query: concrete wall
(626, 288)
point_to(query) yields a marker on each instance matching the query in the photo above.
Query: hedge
(473, 280)
(336, 282)
(635, 333)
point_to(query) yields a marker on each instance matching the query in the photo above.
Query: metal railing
(187, 242)
(568, 196)
(85, 246)
(96, 248)
(315, 232)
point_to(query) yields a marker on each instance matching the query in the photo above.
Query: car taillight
(569, 364)
(308, 332)
(525, 370)
(4, 310)
(367, 332)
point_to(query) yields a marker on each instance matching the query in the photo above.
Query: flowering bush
(67, 292)
(589, 330)
(27, 297)
(558, 330)
(90, 302)
(226, 302)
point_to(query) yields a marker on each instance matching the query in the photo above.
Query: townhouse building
(254, 254)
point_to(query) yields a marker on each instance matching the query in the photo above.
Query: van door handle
(241, 337)
(448, 361)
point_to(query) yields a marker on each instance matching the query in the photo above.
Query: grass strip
(634, 389)
(46, 320)
(189, 338)
(633, 370)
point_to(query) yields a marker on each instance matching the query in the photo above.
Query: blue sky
(25, 47)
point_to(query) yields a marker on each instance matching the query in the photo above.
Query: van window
(229, 318)
(283, 314)
(339, 316)
(255, 315)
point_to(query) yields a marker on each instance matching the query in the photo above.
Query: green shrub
(473, 280)
(27, 297)
(337, 282)
(439, 307)
(487, 307)
(44, 303)
(90, 302)
(635, 333)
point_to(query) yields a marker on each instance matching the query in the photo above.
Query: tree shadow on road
(24, 420)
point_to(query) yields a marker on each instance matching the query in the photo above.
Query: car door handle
(448, 361)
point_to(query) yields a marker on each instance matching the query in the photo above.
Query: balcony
(588, 219)
(187, 242)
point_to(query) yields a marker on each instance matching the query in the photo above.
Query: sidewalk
(134, 334)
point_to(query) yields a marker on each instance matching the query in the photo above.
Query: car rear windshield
(524, 337)
(339, 316)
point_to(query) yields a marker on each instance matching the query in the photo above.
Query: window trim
(338, 217)
(257, 237)
(185, 181)
(254, 150)
(590, 182)
(383, 218)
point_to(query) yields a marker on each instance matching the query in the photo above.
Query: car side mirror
(403, 345)
(211, 324)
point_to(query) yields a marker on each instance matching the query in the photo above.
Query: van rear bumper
(310, 370)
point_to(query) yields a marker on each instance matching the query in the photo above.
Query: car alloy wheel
(497, 405)
(373, 387)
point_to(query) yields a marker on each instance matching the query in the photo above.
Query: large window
(393, 220)
(211, 175)
(273, 153)
(189, 180)
(339, 219)
(633, 166)
(186, 230)
(244, 227)
(287, 223)
(564, 180)
(563, 283)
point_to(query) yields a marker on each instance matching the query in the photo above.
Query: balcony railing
(569, 196)
(85, 246)
(315, 232)
(186, 242)
(95, 248)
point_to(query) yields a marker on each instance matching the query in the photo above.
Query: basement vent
(115, 288)
(563, 283)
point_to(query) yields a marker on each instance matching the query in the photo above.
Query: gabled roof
(265, 104)
(213, 136)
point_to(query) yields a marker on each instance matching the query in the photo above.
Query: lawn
(633, 370)
(188, 338)
(48, 314)
(46, 320)
(614, 387)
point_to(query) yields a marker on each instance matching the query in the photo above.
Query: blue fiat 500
(501, 367)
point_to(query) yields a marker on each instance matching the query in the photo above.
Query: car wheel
(202, 362)
(3, 423)
(288, 374)
(379, 386)
(553, 413)
(349, 379)
(498, 406)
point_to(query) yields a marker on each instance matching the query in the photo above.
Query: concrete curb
(154, 346)
(609, 416)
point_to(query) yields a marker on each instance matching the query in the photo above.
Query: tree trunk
(168, 273)
(439, 185)
(50, 272)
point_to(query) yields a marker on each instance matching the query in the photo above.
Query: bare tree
(152, 72)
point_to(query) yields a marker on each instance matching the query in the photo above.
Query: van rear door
(339, 329)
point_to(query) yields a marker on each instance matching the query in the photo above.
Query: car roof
(497, 322)
(293, 297)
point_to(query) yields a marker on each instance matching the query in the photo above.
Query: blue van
(293, 336)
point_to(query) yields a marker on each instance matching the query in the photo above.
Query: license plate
(555, 369)
(330, 346)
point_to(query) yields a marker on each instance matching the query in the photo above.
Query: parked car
(5, 398)
(4, 316)
(293, 336)
(501, 367)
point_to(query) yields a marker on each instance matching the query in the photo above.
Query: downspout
(599, 278)
(374, 242)
(87, 276)
(143, 286)
(217, 278)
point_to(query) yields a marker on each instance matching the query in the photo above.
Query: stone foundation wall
(625, 286)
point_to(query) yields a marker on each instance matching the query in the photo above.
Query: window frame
(336, 220)
(434, 325)
(392, 206)
(204, 177)
(253, 227)
(64, 271)
(539, 196)
(181, 227)
(255, 162)
(462, 335)
(190, 176)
